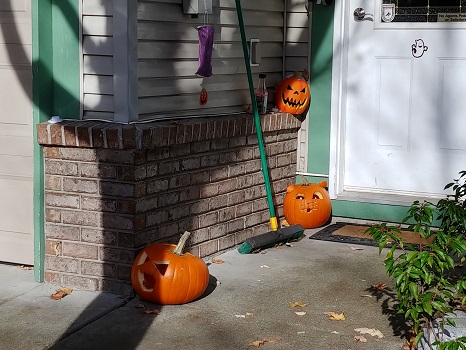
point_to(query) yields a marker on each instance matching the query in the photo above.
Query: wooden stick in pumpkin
(181, 243)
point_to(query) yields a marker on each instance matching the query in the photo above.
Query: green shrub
(422, 275)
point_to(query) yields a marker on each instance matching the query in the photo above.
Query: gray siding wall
(97, 59)
(297, 37)
(165, 49)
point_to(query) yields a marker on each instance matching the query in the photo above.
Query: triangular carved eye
(303, 90)
(162, 266)
(289, 88)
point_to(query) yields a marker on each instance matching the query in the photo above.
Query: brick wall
(112, 189)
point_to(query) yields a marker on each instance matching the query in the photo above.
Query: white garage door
(16, 140)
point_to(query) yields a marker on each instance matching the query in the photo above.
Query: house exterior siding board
(168, 57)
(297, 37)
(97, 57)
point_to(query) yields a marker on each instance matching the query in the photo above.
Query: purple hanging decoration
(206, 43)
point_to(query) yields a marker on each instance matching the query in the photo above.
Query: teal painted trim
(368, 211)
(66, 58)
(321, 87)
(55, 90)
(42, 88)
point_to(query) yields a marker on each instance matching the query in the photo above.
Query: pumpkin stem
(182, 242)
(305, 182)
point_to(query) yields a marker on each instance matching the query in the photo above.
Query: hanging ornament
(203, 96)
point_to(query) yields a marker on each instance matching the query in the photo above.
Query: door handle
(359, 14)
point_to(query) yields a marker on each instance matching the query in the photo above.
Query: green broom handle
(257, 122)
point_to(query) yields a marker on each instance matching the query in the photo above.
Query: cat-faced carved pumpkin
(307, 204)
(162, 274)
(293, 95)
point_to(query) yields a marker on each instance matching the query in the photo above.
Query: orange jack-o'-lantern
(293, 95)
(307, 204)
(162, 274)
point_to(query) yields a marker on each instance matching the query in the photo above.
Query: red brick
(189, 224)
(209, 190)
(116, 221)
(118, 157)
(109, 254)
(235, 225)
(199, 207)
(226, 242)
(119, 189)
(200, 177)
(158, 185)
(106, 237)
(227, 186)
(70, 135)
(198, 236)
(52, 152)
(52, 277)
(168, 199)
(124, 272)
(130, 135)
(83, 134)
(80, 251)
(52, 182)
(53, 247)
(55, 134)
(62, 232)
(78, 154)
(113, 138)
(208, 248)
(79, 185)
(83, 218)
(216, 231)
(98, 204)
(126, 240)
(243, 235)
(61, 168)
(61, 200)
(56, 263)
(179, 212)
(101, 171)
(218, 202)
(126, 207)
(226, 214)
(208, 219)
(100, 269)
(81, 282)
(189, 194)
(52, 215)
(42, 133)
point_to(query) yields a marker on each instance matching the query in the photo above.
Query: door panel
(16, 136)
(404, 116)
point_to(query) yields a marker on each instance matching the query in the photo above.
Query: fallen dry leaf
(301, 332)
(247, 314)
(359, 339)
(334, 332)
(258, 343)
(370, 331)
(298, 304)
(335, 316)
(61, 293)
(265, 267)
(367, 296)
(380, 286)
(26, 268)
(300, 313)
(288, 244)
(285, 223)
(356, 248)
(217, 261)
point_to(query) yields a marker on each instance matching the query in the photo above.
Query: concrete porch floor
(248, 300)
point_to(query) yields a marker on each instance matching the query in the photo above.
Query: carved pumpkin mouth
(293, 102)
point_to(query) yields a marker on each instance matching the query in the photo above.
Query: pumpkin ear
(323, 183)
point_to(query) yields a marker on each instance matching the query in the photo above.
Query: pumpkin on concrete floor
(307, 204)
(163, 274)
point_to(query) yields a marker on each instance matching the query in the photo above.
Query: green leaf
(414, 290)
(450, 321)
(427, 308)
(418, 338)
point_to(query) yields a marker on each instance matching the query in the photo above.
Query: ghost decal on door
(418, 48)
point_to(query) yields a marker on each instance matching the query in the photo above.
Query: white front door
(16, 137)
(400, 125)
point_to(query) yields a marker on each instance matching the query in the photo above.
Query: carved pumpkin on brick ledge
(162, 274)
(293, 94)
(307, 204)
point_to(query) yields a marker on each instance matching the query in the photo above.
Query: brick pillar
(112, 189)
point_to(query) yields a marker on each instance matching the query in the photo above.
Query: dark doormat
(354, 234)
